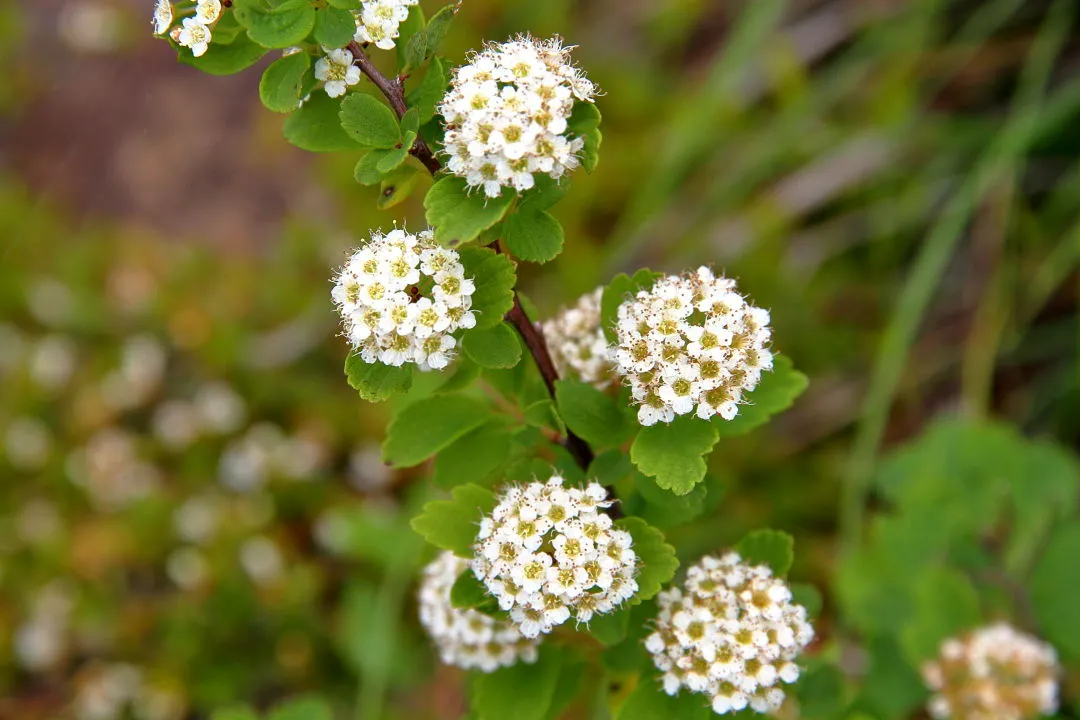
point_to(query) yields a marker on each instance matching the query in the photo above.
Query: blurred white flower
(261, 559)
(53, 361)
(219, 408)
(27, 443)
(187, 567)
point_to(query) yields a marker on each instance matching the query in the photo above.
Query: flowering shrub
(568, 456)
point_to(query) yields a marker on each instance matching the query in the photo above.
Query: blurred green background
(192, 506)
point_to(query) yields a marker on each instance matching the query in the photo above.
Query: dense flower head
(337, 71)
(507, 114)
(378, 21)
(691, 341)
(993, 673)
(401, 296)
(732, 633)
(467, 638)
(577, 343)
(547, 553)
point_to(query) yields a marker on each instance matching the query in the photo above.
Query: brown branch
(533, 338)
(395, 94)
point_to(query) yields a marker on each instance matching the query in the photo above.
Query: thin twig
(395, 94)
(533, 338)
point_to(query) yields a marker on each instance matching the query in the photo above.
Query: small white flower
(163, 17)
(577, 343)
(194, 35)
(993, 672)
(468, 639)
(208, 11)
(337, 71)
(538, 555)
(378, 21)
(506, 115)
(386, 314)
(690, 344)
(717, 635)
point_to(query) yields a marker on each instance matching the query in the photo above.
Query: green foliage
(775, 393)
(369, 121)
(521, 691)
(458, 215)
(222, 59)
(494, 347)
(773, 548)
(494, 277)
(533, 235)
(281, 86)
(426, 96)
(375, 381)
(468, 592)
(584, 122)
(475, 457)
(334, 27)
(429, 425)
(276, 23)
(451, 524)
(657, 558)
(673, 452)
(425, 43)
(315, 127)
(945, 605)
(591, 414)
(1055, 585)
(648, 701)
(307, 708)
(238, 712)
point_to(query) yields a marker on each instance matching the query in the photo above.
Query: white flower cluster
(993, 673)
(467, 638)
(577, 343)
(547, 553)
(691, 340)
(193, 32)
(337, 71)
(732, 633)
(378, 21)
(506, 114)
(400, 296)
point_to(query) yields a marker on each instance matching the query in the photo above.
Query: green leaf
(610, 629)
(591, 414)
(584, 122)
(891, 688)
(426, 96)
(775, 393)
(375, 381)
(533, 235)
(278, 24)
(648, 701)
(429, 425)
(946, 604)
(494, 347)
(494, 277)
(773, 548)
(1055, 587)
(468, 592)
(234, 712)
(414, 23)
(808, 596)
(821, 693)
(459, 216)
(672, 453)
(305, 708)
(452, 524)
(521, 691)
(656, 557)
(542, 413)
(622, 288)
(346, 4)
(282, 82)
(544, 193)
(315, 126)
(225, 59)
(367, 170)
(397, 185)
(425, 44)
(334, 27)
(474, 457)
(369, 121)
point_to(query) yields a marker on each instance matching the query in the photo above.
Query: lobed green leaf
(1055, 587)
(426, 96)
(533, 235)
(657, 558)
(591, 414)
(476, 457)
(584, 123)
(773, 548)
(282, 82)
(222, 59)
(459, 216)
(334, 27)
(495, 347)
(452, 524)
(468, 593)
(521, 691)
(276, 23)
(494, 276)
(673, 453)
(429, 425)
(315, 127)
(370, 122)
(775, 393)
(375, 381)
